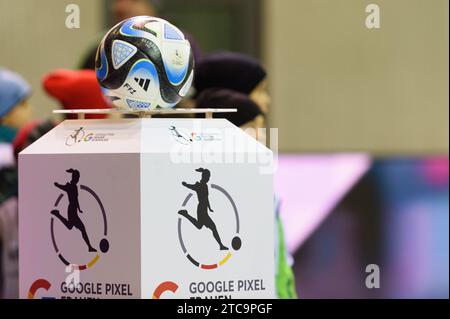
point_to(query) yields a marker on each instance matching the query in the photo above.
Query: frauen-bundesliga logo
(204, 220)
(72, 220)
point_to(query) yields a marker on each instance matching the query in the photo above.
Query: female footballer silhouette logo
(73, 219)
(204, 219)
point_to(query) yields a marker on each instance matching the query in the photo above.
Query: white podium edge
(145, 113)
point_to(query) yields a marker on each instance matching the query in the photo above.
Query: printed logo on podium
(180, 135)
(75, 137)
(216, 254)
(80, 135)
(184, 137)
(69, 217)
(39, 284)
(166, 286)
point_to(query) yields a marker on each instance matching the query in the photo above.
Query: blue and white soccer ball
(143, 63)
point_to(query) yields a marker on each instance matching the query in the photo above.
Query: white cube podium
(146, 208)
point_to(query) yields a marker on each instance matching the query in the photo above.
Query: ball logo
(203, 220)
(178, 59)
(71, 220)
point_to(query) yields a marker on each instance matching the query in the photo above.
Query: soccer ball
(143, 63)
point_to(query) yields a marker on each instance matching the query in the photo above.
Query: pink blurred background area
(342, 212)
(309, 186)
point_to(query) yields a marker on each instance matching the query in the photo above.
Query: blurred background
(363, 119)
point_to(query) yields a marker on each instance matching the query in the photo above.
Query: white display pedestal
(117, 207)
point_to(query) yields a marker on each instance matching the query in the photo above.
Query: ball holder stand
(146, 208)
(145, 113)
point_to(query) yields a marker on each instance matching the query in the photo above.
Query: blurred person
(77, 89)
(125, 9)
(15, 110)
(9, 254)
(30, 133)
(121, 10)
(250, 115)
(233, 71)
